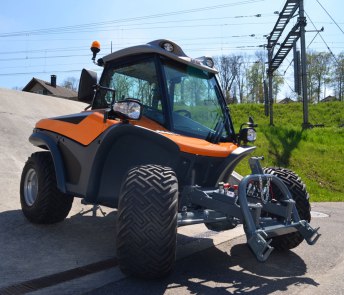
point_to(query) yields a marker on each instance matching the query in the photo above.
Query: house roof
(286, 100)
(53, 91)
(329, 98)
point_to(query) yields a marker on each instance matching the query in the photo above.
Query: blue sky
(39, 38)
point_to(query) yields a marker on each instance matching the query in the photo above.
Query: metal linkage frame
(259, 229)
(285, 15)
(285, 48)
(274, 61)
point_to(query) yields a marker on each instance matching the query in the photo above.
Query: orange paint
(84, 132)
(202, 147)
(93, 125)
(149, 124)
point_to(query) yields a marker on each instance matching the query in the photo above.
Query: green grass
(316, 155)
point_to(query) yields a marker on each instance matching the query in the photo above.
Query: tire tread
(51, 205)
(300, 195)
(147, 221)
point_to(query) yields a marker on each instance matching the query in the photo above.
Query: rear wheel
(147, 221)
(298, 191)
(222, 225)
(40, 199)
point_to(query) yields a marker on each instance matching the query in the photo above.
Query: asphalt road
(77, 256)
(230, 268)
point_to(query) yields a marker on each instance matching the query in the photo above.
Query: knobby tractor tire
(147, 222)
(40, 199)
(298, 191)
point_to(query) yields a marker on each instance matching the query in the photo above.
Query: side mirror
(88, 80)
(128, 109)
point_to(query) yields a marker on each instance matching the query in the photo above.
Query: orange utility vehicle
(157, 143)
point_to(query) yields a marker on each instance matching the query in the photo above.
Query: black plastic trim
(74, 119)
(45, 141)
(208, 171)
(123, 147)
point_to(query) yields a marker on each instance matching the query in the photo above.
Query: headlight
(251, 135)
(209, 62)
(247, 134)
(205, 60)
(168, 46)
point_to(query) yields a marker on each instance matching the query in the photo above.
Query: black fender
(121, 148)
(45, 141)
(228, 165)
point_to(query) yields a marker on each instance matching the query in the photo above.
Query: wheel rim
(30, 187)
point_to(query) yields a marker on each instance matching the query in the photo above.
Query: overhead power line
(44, 72)
(138, 27)
(310, 43)
(43, 57)
(92, 25)
(43, 66)
(328, 47)
(330, 17)
(79, 48)
(198, 19)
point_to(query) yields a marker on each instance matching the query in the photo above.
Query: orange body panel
(202, 147)
(93, 125)
(84, 132)
(149, 124)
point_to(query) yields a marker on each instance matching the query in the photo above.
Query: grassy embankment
(316, 155)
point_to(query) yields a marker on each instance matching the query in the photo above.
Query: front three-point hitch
(252, 204)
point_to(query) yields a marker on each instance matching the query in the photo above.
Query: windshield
(195, 101)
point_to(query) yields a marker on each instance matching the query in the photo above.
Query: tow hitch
(263, 217)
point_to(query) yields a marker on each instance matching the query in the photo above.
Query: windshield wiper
(218, 131)
(214, 136)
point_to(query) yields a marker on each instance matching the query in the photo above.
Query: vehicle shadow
(31, 251)
(214, 271)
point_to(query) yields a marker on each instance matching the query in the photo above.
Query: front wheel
(40, 199)
(147, 222)
(298, 191)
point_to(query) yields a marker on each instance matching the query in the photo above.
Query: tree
(318, 66)
(17, 88)
(70, 83)
(338, 77)
(241, 77)
(223, 64)
(254, 78)
(277, 83)
(254, 81)
(230, 67)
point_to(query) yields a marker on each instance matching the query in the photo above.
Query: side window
(135, 80)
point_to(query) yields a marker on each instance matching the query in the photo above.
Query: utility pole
(275, 60)
(270, 75)
(297, 32)
(302, 21)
